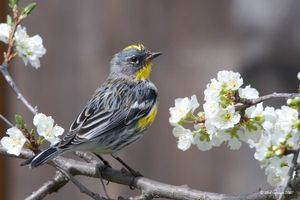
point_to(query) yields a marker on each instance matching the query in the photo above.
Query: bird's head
(135, 61)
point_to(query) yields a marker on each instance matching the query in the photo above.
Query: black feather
(44, 156)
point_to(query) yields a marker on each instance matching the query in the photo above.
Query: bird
(118, 113)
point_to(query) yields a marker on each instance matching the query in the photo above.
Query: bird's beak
(153, 55)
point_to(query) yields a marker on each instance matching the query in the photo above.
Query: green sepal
(233, 131)
(32, 133)
(284, 164)
(40, 140)
(251, 126)
(204, 136)
(296, 125)
(181, 123)
(294, 103)
(20, 121)
(190, 115)
(259, 119)
(269, 154)
(200, 115)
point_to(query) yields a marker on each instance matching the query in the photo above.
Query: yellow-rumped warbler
(119, 111)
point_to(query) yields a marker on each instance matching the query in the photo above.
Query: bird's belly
(116, 141)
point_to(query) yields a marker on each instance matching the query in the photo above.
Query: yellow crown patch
(139, 47)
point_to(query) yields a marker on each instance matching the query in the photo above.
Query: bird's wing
(110, 109)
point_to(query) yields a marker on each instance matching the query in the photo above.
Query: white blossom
(286, 118)
(15, 142)
(277, 170)
(225, 118)
(185, 137)
(232, 80)
(4, 32)
(234, 143)
(211, 108)
(248, 92)
(255, 111)
(182, 107)
(46, 128)
(202, 138)
(261, 147)
(270, 118)
(30, 49)
(203, 145)
(298, 75)
(212, 91)
(268, 130)
(250, 137)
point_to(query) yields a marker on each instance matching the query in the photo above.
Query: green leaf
(13, 3)
(28, 9)
(9, 20)
(20, 121)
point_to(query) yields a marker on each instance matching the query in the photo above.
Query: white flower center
(49, 132)
(16, 141)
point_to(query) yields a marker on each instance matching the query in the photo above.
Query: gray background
(258, 38)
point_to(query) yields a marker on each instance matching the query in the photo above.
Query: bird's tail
(44, 156)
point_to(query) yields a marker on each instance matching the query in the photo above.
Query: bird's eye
(134, 60)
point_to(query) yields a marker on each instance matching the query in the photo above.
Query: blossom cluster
(226, 119)
(30, 49)
(15, 141)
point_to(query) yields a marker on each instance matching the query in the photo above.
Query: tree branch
(149, 188)
(53, 185)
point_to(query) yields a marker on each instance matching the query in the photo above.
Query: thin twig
(81, 187)
(250, 102)
(9, 55)
(88, 157)
(6, 121)
(10, 81)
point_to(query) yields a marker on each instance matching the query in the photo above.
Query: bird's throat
(144, 72)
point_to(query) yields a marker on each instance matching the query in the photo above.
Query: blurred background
(258, 38)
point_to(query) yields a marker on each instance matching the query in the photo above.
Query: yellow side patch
(144, 72)
(139, 47)
(147, 120)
